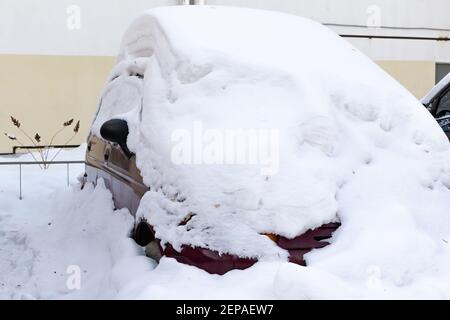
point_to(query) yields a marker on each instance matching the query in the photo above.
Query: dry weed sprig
(10, 136)
(17, 124)
(77, 127)
(43, 151)
(75, 130)
(14, 138)
(66, 124)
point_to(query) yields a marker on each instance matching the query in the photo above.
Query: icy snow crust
(354, 144)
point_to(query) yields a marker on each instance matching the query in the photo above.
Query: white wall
(405, 13)
(402, 17)
(39, 27)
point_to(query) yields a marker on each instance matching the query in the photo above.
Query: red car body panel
(121, 176)
(213, 262)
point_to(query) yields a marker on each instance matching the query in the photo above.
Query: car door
(127, 185)
(107, 160)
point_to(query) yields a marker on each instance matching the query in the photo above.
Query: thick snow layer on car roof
(436, 89)
(336, 138)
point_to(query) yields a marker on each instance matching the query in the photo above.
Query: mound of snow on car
(353, 146)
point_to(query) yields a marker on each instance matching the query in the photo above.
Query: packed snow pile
(346, 141)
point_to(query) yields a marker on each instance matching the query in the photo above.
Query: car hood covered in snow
(347, 142)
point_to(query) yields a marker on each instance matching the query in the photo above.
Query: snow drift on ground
(55, 228)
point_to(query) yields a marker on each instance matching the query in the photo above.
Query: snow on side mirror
(116, 131)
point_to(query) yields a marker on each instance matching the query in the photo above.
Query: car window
(120, 96)
(443, 107)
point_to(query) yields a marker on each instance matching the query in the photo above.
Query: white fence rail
(45, 163)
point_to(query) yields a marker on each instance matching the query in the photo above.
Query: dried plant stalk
(43, 151)
(14, 138)
(66, 124)
(75, 130)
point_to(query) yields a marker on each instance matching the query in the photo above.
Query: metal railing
(24, 163)
(17, 149)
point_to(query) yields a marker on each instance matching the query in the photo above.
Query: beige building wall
(44, 91)
(417, 76)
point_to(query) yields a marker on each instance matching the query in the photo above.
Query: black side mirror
(116, 131)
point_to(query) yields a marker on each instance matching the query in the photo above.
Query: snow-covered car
(193, 74)
(437, 101)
